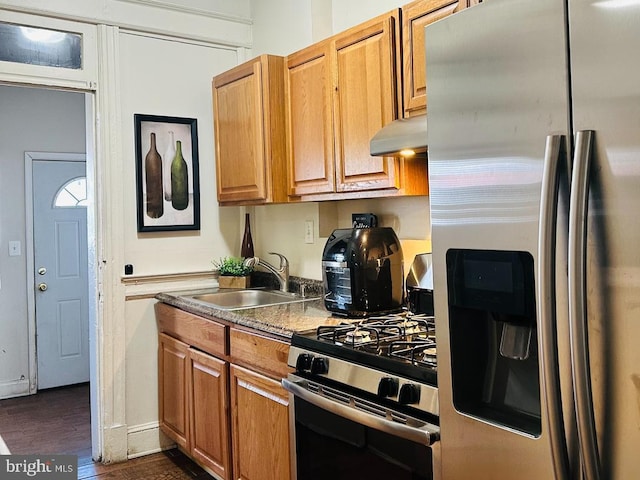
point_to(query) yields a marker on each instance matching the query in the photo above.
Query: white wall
(280, 228)
(350, 13)
(281, 27)
(31, 119)
(161, 77)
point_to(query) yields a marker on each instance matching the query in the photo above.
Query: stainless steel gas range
(365, 399)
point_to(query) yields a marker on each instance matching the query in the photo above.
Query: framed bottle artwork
(167, 174)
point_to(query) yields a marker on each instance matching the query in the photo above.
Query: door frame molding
(104, 150)
(29, 158)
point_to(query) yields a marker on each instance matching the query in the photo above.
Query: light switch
(15, 249)
(308, 231)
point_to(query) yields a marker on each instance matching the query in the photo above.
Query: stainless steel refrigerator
(534, 169)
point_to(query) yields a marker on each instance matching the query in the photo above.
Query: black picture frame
(171, 212)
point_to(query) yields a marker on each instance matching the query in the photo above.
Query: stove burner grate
(420, 352)
(383, 335)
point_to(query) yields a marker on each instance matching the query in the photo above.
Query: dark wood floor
(57, 421)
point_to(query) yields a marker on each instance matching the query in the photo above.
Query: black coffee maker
(363, 272)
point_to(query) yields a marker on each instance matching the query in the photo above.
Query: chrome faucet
(282, 273)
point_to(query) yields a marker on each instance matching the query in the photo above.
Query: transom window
(40, 46)
(72, 194)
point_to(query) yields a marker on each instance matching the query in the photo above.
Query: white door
(60, 261)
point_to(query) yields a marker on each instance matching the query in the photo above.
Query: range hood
(401, 135)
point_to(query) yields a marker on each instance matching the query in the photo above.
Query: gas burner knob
(319, 365)
(303, 362)
(388, 387)
(409, 393)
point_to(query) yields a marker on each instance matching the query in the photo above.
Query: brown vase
(246, 250)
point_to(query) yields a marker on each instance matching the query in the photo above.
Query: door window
(72, 194)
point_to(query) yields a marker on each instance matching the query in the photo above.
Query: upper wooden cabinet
(300, 129)
(248, 106)
(365, 99)
(309, 97)
(415, 16)
(339, 93)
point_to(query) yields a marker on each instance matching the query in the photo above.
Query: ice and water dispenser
(493, 337)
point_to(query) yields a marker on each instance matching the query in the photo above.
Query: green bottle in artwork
(179, 180)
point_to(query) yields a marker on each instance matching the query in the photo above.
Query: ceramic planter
(228, 281)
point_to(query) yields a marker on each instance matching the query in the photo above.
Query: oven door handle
(425, 434)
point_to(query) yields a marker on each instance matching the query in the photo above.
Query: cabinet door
(210, 441)
(172, 378)
(260, 427)
(365, 99)
(240, 135)
(310, 121)
(415, 16)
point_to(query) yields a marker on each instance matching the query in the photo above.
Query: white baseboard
(14, 388)
(145, 439)
(114, 447)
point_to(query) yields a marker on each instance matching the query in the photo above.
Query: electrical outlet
(308, 231)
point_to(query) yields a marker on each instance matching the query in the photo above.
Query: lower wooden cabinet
(209, 424)
(260, 427)
(194, 403)
(220, 397)
(173, 389)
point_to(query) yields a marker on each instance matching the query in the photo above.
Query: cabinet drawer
(261, 353)
(194, 330)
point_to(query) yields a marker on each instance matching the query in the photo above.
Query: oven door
(338, 436)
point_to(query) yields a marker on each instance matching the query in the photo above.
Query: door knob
(42, 271)
(42, 287)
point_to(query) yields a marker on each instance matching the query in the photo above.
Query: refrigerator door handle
(583, 396)
(554, 151)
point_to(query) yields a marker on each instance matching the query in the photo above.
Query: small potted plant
(232, 272)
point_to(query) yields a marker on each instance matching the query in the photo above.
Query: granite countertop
(283, 320)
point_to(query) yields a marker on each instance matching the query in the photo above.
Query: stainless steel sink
(239, 299)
